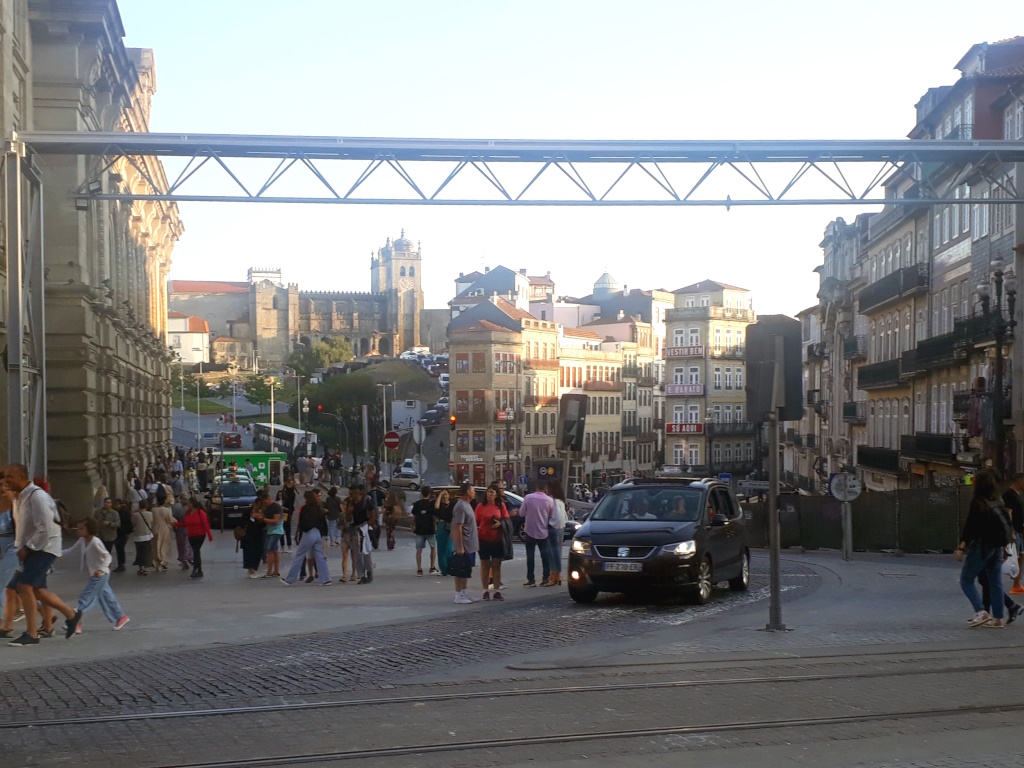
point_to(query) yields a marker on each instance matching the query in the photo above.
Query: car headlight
(574, 525)
(581, 547)
(216, 500)
(683, 548)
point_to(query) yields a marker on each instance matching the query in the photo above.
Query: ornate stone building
(64, 67)
(274, 317)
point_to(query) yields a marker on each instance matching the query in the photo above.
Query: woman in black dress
(252, 542)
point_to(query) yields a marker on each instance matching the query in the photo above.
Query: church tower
(396, 272)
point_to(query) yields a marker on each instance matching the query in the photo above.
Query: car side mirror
(719, 520)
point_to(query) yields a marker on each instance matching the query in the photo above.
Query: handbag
(239, 532)
(1010, 566)
(459, 566)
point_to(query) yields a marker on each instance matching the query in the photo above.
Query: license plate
(624, 567)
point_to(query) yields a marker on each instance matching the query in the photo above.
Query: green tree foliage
(257, 391)
(331, 349)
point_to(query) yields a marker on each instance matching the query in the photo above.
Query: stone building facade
(64, 67)
(274, 317)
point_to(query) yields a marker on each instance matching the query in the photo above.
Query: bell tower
(404, 285)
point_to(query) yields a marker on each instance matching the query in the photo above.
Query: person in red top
(489, 515)
(197, 525)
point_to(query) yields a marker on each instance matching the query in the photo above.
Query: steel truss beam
(573, 163)
(26, 321)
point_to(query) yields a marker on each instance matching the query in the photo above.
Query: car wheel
(413, 487)
(705, 582)
(741, 582)
(583, 595)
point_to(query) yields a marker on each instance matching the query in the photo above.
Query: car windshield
(669, 504)
(235, 490)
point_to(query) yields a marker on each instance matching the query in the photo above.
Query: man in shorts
(38, 545)
(464, 537)
(424, 523)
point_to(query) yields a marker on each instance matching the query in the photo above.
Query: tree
(257, 390)
(327, 351)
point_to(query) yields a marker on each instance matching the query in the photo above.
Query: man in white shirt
(38, 544)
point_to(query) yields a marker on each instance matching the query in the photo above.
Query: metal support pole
(847, 531)
(366, 430)
(14, 153)
(778, 396)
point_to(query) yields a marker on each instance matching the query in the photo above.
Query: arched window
(273, 303)
(412, 271)
(401, 272)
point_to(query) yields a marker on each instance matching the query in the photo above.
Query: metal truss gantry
(591, 173)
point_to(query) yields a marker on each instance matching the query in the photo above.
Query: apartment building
(707, 428)
(918, 356)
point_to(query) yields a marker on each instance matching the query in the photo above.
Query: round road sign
(845, 487)
(391, 440)
(419, 434)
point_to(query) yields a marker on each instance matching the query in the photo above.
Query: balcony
(962, 132)
(817, 351)
(855, 413)
(855, 348)
(685, 390)
(710, 313)
(475, 416)
(976, 329)
(798, 440)
(735, 352)
(602, 386)
(630, 371)
(961, 405)
(790, 436)
(811, 441)
(882, 459)
(938, 352)
(540, 401)
(730, 428)
(692, 351)
(647, 437)
(909, 367)
(733, 467)
(630, 430)
(647, 381)
(901, 284)
(929, 446)
(821, 408)
(879, 375)
(540, 364)
(813, 396)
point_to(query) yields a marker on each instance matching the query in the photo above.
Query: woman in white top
(95, 560)
(142, 535)
(556, 532)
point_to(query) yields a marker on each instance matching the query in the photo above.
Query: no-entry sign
(391, 440)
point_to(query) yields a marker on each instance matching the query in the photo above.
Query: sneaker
(324, 583)
(342, 580)
(72, 624)
(434, 572)
(363, 580)
(1015, 611)
(979, 618)
(78, 629)
(119, 624)
(5, 633)
(487, 596)
(473, 599)
(459, 600)
(46, 632)
(285, 582)
(309, 579)
(19, 615)
(419, 571)
(994, 624)
(1018, 590)
(253, 576)
(529, 583)
(24, 640)
(498, 598)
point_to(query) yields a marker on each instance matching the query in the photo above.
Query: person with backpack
(987, 530)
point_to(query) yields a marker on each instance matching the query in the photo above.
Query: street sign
(753, 486)
(845, 487)
(419, 434)
(391, 440)
(508, 477)
(725, 477)
(522, 480)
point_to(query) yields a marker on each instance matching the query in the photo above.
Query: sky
(554, 69)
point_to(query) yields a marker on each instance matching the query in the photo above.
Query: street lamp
(305, 412)
(1002, 326)
(709, 420)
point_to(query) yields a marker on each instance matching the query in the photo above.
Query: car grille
(633, 553)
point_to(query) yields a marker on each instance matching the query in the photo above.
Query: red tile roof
(225, 339)
(208, 286)
(580, 333)
(197, 325)
(176, 315)
(512, 310)
(481, 325)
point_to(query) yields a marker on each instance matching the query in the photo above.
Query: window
(936, 230)
(479, 440)
(479, 362)
(739, 378)
(462, 441)
(401, 272)
(966, 224)
(716, 453)
(750, 451)
(678, 414)
(691, 301)
(728, 378)
(679, 454)
(693, 414)
(694, 454)
(728, 414)
(718, 378)
(412, 271)
(462, 402)
(718, 339)
(705, 301)
(679, 337)
(679, 375)
(728, 452)
(694, 375)
(176, 342)
(945, 225)
(739, 414)
(694, 335)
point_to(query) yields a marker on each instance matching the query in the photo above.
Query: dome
(606, 285)
(403, 243)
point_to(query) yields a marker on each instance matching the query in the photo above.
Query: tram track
(462, 695)
(607, 735)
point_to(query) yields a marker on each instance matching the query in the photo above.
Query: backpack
(1002, 525)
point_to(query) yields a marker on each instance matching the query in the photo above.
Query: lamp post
(709, 421)
(1002, 327)
(305, 411)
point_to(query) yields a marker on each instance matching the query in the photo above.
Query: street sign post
(846, 488)
(419, 434)
(753, 486)
(391, 440)
(725, 477)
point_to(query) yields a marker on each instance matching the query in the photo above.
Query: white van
(443, 380)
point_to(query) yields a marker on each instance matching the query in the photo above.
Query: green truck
(267, 468)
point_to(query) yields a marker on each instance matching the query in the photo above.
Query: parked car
(431, 418)
(443, 401)
(443, 379)
(231, 439)
(649, 534)
(407, 478)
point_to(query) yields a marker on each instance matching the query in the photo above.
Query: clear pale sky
(551, 69)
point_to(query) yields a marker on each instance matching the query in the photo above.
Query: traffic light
(320, 408)
(451, 422)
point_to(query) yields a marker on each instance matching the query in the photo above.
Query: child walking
(96, 560)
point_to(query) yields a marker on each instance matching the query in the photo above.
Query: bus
(287, 440)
